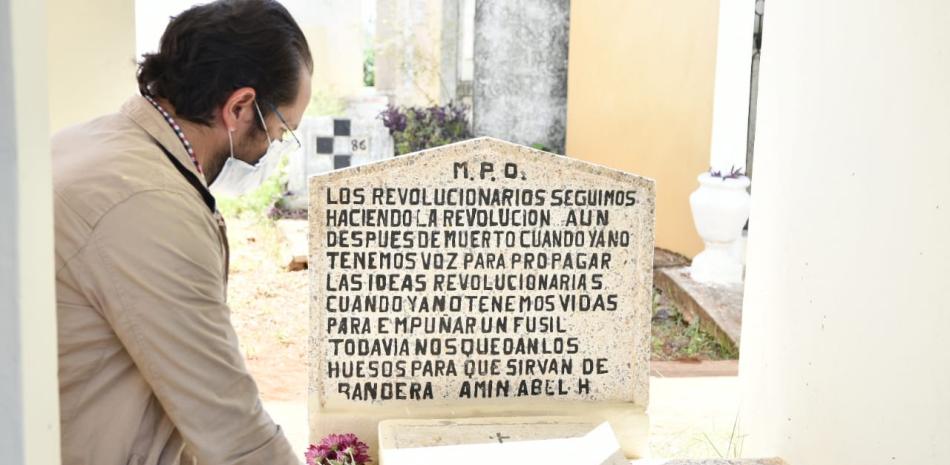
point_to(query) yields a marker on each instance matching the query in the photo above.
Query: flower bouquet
(338, 449)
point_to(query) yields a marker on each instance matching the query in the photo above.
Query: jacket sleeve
(156, 272)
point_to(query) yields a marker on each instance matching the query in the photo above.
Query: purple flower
(315, 454)
(419, 128)
(394, 119)
(734, 173)
(418, 113)
(438, 114)
(345, 448)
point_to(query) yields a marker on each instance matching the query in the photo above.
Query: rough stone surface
(718, 307)
(520, 80)
(589, 353)
(663, 258)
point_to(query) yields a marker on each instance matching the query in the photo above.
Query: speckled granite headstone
(480, 279)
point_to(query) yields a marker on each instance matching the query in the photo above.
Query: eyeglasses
(286, 127)
(288, 140)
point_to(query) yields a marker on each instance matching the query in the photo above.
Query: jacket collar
(148, 118)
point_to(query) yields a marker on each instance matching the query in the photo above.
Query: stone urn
(720, 210)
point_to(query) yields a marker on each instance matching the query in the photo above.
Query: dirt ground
(270, 311)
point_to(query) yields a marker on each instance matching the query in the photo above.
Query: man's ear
(238, 109)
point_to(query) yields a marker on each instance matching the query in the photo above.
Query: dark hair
(209, 51)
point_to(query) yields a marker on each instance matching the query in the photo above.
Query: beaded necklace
(178, 132)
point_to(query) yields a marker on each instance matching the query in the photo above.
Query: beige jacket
(149, 367)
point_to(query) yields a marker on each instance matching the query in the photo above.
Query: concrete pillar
(387, 33)
(465, 58)
(29, 392)
(409, 55)
(449, 50)
(845, 354)
(520, 82)
(733, 78)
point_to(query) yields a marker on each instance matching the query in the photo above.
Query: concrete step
(717, 307)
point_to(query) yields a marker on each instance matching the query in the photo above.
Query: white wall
(845, 352)
(29, 396)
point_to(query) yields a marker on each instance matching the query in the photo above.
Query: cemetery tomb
(480, 279)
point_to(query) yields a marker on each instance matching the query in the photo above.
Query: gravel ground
(269, 310)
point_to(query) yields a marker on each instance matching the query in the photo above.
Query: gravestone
(520, 71)
(480, 279)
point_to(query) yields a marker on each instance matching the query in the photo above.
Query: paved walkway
(693, 417)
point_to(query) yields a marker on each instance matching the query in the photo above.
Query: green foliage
(369, 67)
(420, 128)
(701, 341)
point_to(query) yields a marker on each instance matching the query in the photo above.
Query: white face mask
(238, 177)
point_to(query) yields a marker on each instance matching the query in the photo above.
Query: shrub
(420, 128)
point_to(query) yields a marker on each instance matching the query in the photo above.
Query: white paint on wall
(845, 354)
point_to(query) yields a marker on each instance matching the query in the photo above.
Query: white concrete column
(845, 355)
(29, 393)
(718, 214)
(466, 42)
(733, 72)
(448, 48)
